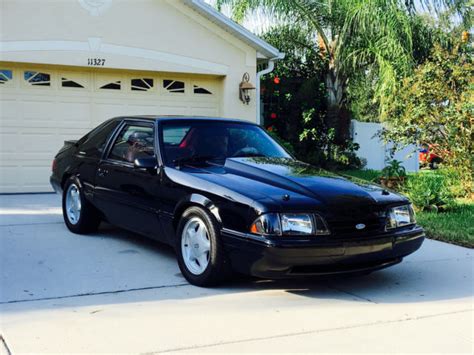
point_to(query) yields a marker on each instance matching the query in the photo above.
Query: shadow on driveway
(41, 261)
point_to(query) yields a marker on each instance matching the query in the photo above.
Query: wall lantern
(244, 89)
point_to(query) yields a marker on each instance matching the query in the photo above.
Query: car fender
(196, 199)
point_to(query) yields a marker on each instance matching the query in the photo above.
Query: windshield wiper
(194, 159)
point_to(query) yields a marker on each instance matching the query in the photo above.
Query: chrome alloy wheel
(73, 204)
(195, 246)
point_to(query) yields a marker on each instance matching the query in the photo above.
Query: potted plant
(393, 175)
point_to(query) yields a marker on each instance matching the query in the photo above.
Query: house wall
(151, 35)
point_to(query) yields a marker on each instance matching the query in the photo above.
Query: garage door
(40, 107)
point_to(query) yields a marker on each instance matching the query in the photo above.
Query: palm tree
(353, 36)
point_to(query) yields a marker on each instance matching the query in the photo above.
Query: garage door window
(68, 83)
(201, 90)
(37, 78)
(5, 76)
(173, 86)
(142, 84)
(116, 85)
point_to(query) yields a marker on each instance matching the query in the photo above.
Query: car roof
(163, 118)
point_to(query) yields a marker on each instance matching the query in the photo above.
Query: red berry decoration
(273, 115)
(276, 80)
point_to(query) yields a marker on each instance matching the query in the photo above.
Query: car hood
(276, 177)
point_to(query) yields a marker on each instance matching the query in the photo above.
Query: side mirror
(149, 164)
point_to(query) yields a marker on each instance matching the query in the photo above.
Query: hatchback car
(228, 197)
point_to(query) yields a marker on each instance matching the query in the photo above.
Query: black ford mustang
(228, 197)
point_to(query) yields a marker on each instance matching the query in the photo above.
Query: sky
(257, 23)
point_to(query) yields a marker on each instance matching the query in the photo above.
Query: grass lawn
(453, 226)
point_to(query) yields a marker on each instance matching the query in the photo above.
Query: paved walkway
(119, 293)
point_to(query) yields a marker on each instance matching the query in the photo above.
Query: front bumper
(284, 258)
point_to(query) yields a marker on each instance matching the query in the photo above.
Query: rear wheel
(201, 256)
(79, 215)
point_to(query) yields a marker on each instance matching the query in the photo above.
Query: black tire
(89, 218)
(218, 268)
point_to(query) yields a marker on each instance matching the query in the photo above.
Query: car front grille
(343, 221)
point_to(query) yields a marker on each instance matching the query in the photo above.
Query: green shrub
(454, 181)
(430, 190)
(435, 105)
(394, 169)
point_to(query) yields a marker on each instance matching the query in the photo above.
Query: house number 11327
(96, 62)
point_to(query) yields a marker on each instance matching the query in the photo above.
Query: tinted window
(173, 86)
(200, 90)
(143, 84)
(37, 78)
(5, 75)
(93, 144)
(116, 85)
(174, 135)
(134, 141)
(216, 140)
(68, 83)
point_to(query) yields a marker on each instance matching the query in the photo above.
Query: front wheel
(201, 256)
(79, 215)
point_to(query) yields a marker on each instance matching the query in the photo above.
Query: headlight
(289, 224)
(267, 224)
(296, 224)
(400, 216)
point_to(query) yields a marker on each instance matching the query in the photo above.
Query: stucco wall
(152, 35)
(376, 152)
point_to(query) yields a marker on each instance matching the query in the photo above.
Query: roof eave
(263, 48)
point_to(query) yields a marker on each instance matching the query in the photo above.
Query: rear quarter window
(93, 144)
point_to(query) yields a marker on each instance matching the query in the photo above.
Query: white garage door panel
(36, 120)
(8, 142)
(78, 114)
(7, 182)
(178, 110)
(8, 110)
(38, 111)
(142, 109)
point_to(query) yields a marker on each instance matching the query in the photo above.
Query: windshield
(201, 141)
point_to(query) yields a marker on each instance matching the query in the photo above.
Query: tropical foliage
(435, 105)
(295, 105)
(356, 38)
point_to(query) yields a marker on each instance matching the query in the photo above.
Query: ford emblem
(360, 226)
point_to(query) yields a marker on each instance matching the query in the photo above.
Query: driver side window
(134, 141)
(243, 139)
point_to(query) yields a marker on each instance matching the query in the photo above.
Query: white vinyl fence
(376, 152)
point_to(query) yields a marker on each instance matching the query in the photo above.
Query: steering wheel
(245, 151)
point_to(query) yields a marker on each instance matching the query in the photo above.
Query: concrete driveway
(119, 293)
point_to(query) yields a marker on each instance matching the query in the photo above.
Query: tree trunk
(338, 115)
